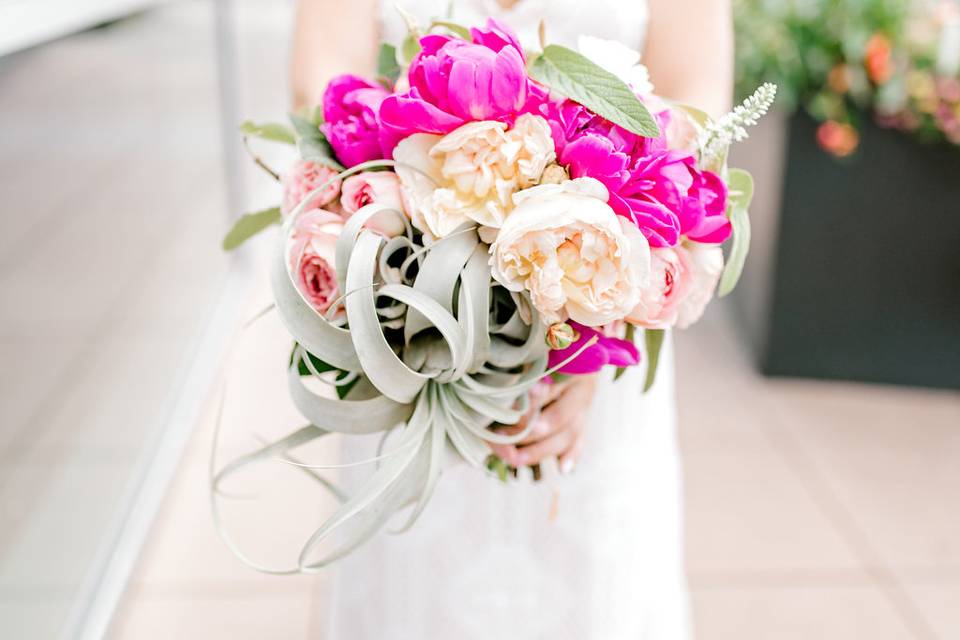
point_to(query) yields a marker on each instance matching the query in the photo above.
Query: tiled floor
(814, 510)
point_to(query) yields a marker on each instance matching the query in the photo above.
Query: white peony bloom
(618, 59)
(577, 258)
(472, 172)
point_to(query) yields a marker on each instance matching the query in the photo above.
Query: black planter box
(864, 279)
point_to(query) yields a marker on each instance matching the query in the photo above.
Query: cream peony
(575, 256)
(471, 173)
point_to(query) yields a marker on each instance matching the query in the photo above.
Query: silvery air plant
(476, 222)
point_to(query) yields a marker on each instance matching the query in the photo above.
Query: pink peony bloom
(453, 82)
(350, 106)
(302, 178)
(382, 187)
(660, 189)
(607, 351)
(313, 257)
(660, 301)
(706, 266)
(682, 284)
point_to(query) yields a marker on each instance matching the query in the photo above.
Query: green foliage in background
(844, 60)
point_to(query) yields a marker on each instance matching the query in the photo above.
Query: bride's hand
(557, 430)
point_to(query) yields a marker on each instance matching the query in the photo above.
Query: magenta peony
(350, 106)
(660, 189)
(453, 82)
(606, 351)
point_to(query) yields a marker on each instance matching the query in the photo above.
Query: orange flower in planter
(877, 58)
(837, 138)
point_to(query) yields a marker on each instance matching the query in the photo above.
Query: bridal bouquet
(475, 221)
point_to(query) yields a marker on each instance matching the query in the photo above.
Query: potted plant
(858, 275)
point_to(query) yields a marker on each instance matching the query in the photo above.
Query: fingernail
(567, 466)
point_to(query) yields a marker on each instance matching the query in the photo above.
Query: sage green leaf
(457, 29)
(312, 144)
(741, 193)
(499, 467)
(576, 77)
(249, 225)
(313, 115)
(387, 66)
(268, 131)
(654, 341)
(701, 118)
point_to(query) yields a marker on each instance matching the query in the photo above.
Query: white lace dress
(591, 556)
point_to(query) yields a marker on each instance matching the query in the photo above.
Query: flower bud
(554, 174)
(561, 335)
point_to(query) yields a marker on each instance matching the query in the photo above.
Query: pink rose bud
(313, 257)
(302, 178)
(561, 335)
(381, 187)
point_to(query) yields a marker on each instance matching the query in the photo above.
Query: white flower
(577, 258)
(472, 172)
(618, 59)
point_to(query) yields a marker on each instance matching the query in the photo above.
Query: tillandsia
(472, 224)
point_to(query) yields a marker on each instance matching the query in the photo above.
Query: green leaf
(387, 66)
(312, 144)
(344, 389)
(579, 79)
(313, 115)
(457, 29)
(700, 117)
(409, 49)
(268, 131)
(741, 193)
(318, 364)
(498, 466)
(249, 225)
(631, 330)
(654, 341)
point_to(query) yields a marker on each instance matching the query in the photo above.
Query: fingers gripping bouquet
(473, 221)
